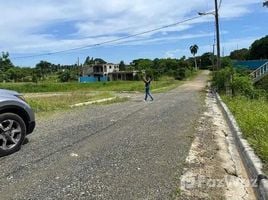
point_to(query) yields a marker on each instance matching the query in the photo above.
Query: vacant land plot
(60, 102)
(51, 96)
(252, 117)
(98, 86)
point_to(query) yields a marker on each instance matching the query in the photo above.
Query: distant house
(122, 76)
(105, 72)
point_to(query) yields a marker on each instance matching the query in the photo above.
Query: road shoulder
(213, 168)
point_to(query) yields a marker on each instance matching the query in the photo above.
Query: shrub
(65, 76)
(239, 82)
(242, 85)
(221, 78)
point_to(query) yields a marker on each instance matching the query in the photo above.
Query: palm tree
(194, 49)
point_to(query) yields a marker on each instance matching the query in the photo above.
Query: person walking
(147, 82)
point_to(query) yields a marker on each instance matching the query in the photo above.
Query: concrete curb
(252, 162)
(92, 102)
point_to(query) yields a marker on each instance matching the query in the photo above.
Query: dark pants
(147, 93)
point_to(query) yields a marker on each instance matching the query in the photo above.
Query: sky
(31, 28)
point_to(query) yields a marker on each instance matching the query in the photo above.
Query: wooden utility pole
(217, 35)
(216, 14)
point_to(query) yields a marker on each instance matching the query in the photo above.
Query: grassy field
(50, 96)
(252, 117)
(42, 104)
(98, 86)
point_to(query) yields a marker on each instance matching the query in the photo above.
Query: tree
(241, 54)
(34, 78)
(265, 3)
(99, 61)
(44, 68)
(207, 60)
(15, 74)
(89, 61)
(226, 62)
(5, 63)
(259, 49)
(122, 66)
(194, 49)
(143, 64)
(65, 76)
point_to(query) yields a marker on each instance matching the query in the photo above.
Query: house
(122, 75)
(105, 72)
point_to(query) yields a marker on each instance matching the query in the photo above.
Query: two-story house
(105, 72)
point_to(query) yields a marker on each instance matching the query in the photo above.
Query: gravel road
(130, 150)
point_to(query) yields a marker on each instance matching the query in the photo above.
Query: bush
(222, 78)
(239, 83)
(263, 84)
(226, 62)
(65, 76)
(242, 85)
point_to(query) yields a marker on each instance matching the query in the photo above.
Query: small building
(122, 76)
(105, 72)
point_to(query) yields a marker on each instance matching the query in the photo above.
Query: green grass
(55, 103)
(118, 86)
(98, 86)
(252, 117)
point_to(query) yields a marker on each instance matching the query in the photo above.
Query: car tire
(12, 133)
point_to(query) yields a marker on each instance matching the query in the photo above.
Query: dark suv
(16, 121)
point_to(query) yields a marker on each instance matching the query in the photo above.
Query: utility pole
(218, 35)
(216, 14)
(79, 70)
(213, 56)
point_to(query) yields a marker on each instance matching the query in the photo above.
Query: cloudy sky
(31, 27)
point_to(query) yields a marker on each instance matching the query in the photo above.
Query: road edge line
(93, 102)
(251, 161)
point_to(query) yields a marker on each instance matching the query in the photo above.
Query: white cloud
(23, 21)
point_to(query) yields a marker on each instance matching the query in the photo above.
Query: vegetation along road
(128, 150)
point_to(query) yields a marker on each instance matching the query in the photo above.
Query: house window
(110, 67)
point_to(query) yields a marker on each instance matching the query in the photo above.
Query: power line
(220, 4)
(109, 41)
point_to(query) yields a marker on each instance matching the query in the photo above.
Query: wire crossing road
(130, 150)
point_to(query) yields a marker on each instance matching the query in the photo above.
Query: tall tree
(194, 49)
(5, 62)
(259, 49)
(122, 66)
(99, 61)
(207, 60)
(240, 54)
(44, 67)
(89, 61)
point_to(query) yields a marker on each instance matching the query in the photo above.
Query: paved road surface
(131, 150)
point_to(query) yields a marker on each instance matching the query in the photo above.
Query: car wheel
(12, 133)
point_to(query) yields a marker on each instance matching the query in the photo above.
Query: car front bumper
(31, 127)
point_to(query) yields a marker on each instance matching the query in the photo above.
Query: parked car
(17, 120)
